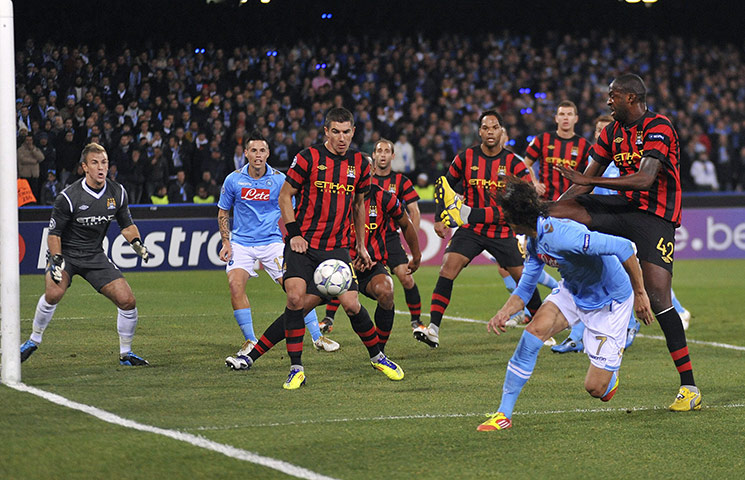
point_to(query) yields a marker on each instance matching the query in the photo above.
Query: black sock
(440, 299)
(383, 325)
(294, 331)
(675, 336)
(274, 334)
(332, 307)
(534, 303)
(414, 302)
(363, 326)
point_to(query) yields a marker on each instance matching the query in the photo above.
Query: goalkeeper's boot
(326, 325)
(450, 203)
(28, 347)
(325, 344)
(239, 362)
(129, 359)
(609, 395)
(631, 333)
(685, 318)
(497, 421)
(689, 398)
(295, 380)
(428, 336)
(246, 348)
(389, 367)
(568, 345)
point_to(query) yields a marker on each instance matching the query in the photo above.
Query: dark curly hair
(521, 204)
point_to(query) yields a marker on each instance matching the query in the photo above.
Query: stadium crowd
(174, 118)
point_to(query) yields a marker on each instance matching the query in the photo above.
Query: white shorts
(605, 332)
(271, 257)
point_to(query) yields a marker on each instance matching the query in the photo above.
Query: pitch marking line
(201, 442)
(427, 416)
(639, 335)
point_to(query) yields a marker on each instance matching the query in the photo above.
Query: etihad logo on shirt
(111, 203)
(351, 171)
(627, 158)
(94, 220)
(331, 187)
(487, 184)
(561, 161)
(255, 194)
(371, 226)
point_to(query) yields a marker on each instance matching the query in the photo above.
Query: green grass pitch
(349, 421)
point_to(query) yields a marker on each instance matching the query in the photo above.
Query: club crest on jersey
(373, 210)
(351, 171)
(639, 138)
(392, 188)
(255, 194)
(110, 203)
(575, 151)
(502, 170)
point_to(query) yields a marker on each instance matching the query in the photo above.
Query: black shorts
(613, 214)
(97, 269)
(395, 250)
(303, 265)
(469, 244)
(364, 278)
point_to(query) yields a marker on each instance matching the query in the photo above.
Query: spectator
(156, 172)
(29, 157)
(160, 196)
(704, 173)
(423, 188)
(403, 157)
(203, 195)
(50, 189)
(180, 191)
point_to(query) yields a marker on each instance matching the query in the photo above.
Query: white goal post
(10, 319)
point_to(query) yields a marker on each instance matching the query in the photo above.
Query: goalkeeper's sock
(311, 323)
(42, 317)
(245, 322)
(548, 281)
(519, 370)
(126, 322)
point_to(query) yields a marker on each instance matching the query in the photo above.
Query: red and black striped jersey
(550, 151)
(481, 178)
(382, 208)
(651, 136)
(327, 184)
(399, 185)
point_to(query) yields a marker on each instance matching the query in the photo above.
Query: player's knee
(536, 328)
(407, 281)
(294, 300)
(595, 389)
(127, 302)
(385, 298)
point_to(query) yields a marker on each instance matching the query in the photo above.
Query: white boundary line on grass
(639, 335)
(197, 441)
(449, 415)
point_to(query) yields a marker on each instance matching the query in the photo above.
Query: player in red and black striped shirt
(374, 282)
(560, 148)
(478, 173)
(329, 183)
(644, 146)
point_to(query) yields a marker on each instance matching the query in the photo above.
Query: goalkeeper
(80, 218)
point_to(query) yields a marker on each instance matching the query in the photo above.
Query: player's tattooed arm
(223, 223)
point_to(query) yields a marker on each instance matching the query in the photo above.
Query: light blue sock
(243, 317)
(678, 307)
(548, 280)
(632, 321)
(611, 384)
(519, 370)
(578, 332)
(311, 323)
(509, 283)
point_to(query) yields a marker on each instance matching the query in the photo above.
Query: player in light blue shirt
(601, 284)
(253, 194)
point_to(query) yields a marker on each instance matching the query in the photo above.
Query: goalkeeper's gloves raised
(55, 267)
(140, 249)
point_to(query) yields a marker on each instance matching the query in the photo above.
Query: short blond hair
(92, 148)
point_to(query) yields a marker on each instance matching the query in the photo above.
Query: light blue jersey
(589, 262)
(255, 204)
(611, 172)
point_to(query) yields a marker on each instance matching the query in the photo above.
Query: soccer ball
(332, 277)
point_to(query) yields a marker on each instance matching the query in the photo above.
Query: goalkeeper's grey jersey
(82, 215)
